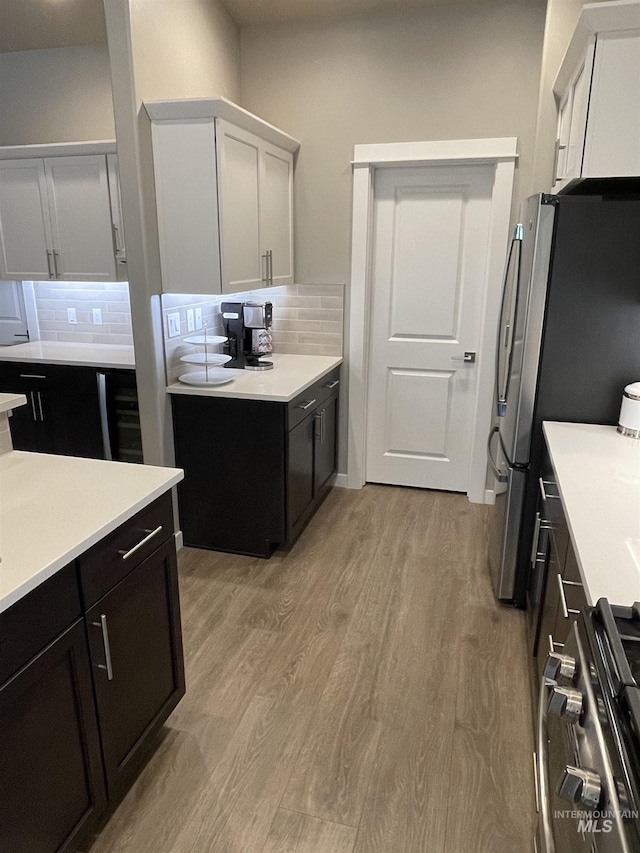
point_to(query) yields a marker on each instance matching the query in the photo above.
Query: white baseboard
(489, 496)
(340, 480)
(178, 537)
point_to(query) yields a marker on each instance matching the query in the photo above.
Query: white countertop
(62, 352)
(598, 475)
(53, 508)
(11, 401)
(291, 374)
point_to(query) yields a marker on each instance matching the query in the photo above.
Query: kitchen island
(91, 661)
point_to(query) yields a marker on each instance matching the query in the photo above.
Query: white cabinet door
(26, 246)
(238, 152)
(78, 192)
(184, 164)
(276, 208)
(116, 217)
(612, 146)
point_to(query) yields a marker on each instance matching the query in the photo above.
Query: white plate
(209, 339)
(217, 376)
(206, 358)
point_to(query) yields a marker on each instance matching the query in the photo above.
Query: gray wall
(56, 95)
(441, 73)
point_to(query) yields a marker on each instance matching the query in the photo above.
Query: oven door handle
(543, 769)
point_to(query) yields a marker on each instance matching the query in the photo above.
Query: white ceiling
(36, 24)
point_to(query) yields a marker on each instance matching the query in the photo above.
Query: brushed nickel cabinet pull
(49, 253)
(102, 624)
(150, 534)
(307, 405)
(40, 406)
(56, 255)
(32, 376)
(332, 384)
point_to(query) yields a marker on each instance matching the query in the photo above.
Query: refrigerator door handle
(501, 395)
(501, 476)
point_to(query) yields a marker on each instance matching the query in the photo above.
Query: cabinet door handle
(102, 624)
(150, 534)
(265, 277)
(101, 379)
(40, 406)
(331, 385)
(32, 376)
(318, 420)
(49, 253)
(33, 405)
(56, 255)
(306, 405)
(543, 491)
(566, 611)
(270, 255)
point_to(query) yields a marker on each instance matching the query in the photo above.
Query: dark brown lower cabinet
(91, 666)
(255, 470)
(51, 777)
(135, 645)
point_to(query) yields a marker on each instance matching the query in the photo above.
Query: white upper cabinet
(80, 210)
(598, 93)
(56, 216)
(238, 157)
(26, 246)
(224, 196)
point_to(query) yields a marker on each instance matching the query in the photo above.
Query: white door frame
(502, 154)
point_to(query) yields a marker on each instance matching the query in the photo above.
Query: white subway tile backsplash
(301, 324)
(112, 298)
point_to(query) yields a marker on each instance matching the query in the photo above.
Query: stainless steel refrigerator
(568, 342)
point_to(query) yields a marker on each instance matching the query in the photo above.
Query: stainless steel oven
(586, 767)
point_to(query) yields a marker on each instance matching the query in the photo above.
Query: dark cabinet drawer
(81, 380)
(312, 398)
(104, 565)
(33, 621)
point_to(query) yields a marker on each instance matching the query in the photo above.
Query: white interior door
(78, 190)
(13, 317)
(431, 238)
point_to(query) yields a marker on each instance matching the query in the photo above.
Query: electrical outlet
(198, 318)
(191, 323)
(72, 320)
(96, 315)
(173, 323)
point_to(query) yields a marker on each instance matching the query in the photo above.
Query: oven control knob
(560, 668)
(580, 787)
(566, 703)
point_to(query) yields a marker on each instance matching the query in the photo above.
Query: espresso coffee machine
(247, 326)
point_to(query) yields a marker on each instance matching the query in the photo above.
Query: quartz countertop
(11, 401)
(53, 508)
(63, 352)
(291, 374)
(598, 476)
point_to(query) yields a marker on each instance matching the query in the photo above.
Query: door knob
(468, 358)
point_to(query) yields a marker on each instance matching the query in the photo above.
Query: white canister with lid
(629, 421)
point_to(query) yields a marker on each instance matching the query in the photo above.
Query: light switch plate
(198, 318)
(96, 314)
(173, 324)
(191, 323)
(72, 320)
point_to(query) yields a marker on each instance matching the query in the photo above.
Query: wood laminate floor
(361, 693)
